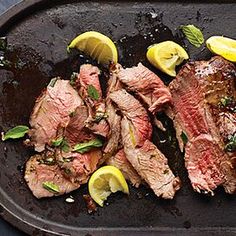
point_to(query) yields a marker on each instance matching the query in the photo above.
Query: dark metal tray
(38, 32)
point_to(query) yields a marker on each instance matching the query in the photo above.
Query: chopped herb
(4, 62)
(67, 171)
(51, 187)
(65, 147)
(193, 35)
(53, 82)
(99, 116)
(166, 171)
(92, 92)
(3, 43)
(225, 101)
(57, 142)
(73, 78)
(16, 132)
(184, 137)
(72, 113)
(48, 161)
(231, 145)
(87, 146)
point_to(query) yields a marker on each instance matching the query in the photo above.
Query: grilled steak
(120, 161)
(76, 132)
(51, 111)
(37, 173)
(78, 167)
(113, 118)
(150, 163)
(88, 86)
(197, 110)
(143, 155)
(147, 85)
(135, 112)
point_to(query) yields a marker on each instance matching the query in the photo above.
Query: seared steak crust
(197, 111)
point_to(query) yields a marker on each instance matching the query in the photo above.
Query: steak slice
(197, 110)
(37, 173)
(78, 167)
(150, 164)
(147, 85)
(135, 112)
(51, 111)
(142, 154)
(113, 118)
(120, 161)
(88, 86)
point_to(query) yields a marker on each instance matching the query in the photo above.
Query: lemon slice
(166, 56)
(222, 46)
(97, 46)
(104, 181)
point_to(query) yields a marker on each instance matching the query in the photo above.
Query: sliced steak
(120, 161)
(51, 111)
(150, 164)
(113, 118)
(147, 85)
(197, 110)
(135, 112)
(37, 173)
(88, 86)
(78, 167)
(142, 154)
(76, 132)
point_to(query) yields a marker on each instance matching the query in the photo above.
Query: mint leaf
(193, 35)
(92, 92)
(87, 146)
(57, 142)
(53, 81)
(51, 187)
(184, 137)
(16, 132)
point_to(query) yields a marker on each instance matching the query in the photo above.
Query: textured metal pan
(38, 32)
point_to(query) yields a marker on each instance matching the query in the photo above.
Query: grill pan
(38, 32)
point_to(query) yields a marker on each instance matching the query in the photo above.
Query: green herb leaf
(57, 142)
(85, 147)
(16, 132)
(4, 62)
(231, 145)
(73, 78)
(184, 137)
(53, 82)
(3, 43)
(51, 187)
(225, 101)
(65, 147)
(92, 92)
(193, 34)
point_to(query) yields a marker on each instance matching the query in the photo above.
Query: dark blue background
(5, 228)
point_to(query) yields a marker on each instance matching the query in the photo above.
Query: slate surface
(5, 228)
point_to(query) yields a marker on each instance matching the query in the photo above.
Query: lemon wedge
(222, 46)
(104, 181)
(166, 56)
(98, 46)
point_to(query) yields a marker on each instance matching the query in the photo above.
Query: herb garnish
(3, 43)
(87, 146)
(57, 142)
(16, 132)
(193, 35)
(184, 137)
(51, 187)
(92, 92)
(231, 145)
(53, 82)
(73, 78)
